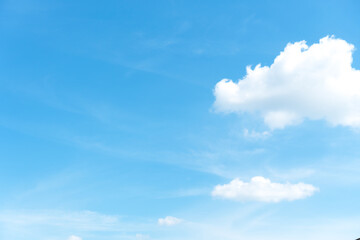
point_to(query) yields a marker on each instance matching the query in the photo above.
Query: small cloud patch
(256, 135)
(73, 237)
(263, 190)
(169, 221)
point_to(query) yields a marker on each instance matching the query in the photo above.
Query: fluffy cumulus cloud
(314, 82)
(169, 221)
(263, 190)
(73, 237)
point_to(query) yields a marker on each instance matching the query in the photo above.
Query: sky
(172, 120)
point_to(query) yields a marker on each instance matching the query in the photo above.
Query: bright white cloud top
(263, 190)
(316, 83)
(169, 221)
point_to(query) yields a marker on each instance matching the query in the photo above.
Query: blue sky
(114, 123)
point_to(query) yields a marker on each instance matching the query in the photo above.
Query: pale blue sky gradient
(107, 125)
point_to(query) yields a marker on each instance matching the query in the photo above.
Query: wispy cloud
(61, 225)
(73, 237)
(256, 135)
(84, 220)
(169, 221)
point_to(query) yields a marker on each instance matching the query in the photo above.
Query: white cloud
(316, 83)
(169, 221)
(263, 190)
(73, 237)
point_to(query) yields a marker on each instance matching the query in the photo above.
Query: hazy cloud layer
(263, 190)
(316, 83)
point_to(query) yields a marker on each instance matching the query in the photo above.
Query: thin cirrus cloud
(169, 221)
(263, 190)
(314, 82)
